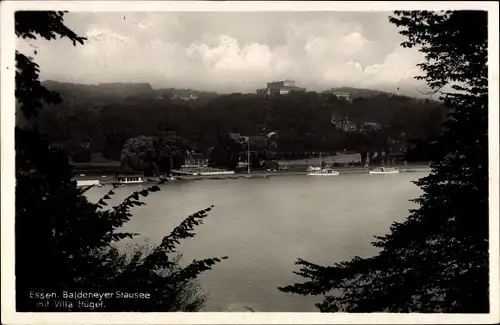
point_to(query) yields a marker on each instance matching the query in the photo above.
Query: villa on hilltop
(280, 88)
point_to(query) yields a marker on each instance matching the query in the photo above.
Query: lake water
(264, 225)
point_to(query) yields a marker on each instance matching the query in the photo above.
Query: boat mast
(248, 155)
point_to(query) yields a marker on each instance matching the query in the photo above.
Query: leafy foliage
(154, 154)
(29, 24)
(47, 24)
(138, 153)
(66, 243)
(170, 150)
(436, 260)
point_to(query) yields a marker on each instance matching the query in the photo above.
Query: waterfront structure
(87, 182)
(194, 159)
(280, 87)
(130, 178)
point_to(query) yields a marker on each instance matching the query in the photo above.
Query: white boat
(319, 171)
(88, 182)
(384, 170)
(217, 172)
(324, 172)
(202, 171)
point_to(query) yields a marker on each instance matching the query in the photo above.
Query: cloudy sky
(236, 51)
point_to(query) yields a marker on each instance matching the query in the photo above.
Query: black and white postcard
(223, 162)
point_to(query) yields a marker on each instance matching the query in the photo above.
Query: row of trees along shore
(435, 261)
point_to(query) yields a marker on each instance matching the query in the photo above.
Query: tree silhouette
(436, 260)
(66, 243)
(138, 154)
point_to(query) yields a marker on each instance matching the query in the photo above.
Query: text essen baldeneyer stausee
(90, 295)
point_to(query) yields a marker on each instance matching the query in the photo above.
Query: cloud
(230, 51)
(229, 57)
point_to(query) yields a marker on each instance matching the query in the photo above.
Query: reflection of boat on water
(384, 170)
(323, 172)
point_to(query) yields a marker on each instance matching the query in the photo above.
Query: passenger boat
(384, 170)
(323, 172)
(202, 171)
(318, 171)
(88, 182)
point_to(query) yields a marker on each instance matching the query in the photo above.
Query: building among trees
(280, 87)
(195, 159)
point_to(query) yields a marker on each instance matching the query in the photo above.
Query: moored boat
(319, 171)
(384, 170)
(202, 171)
(323, 172)
(88, 182)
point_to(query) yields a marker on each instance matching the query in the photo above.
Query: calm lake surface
(264, 225)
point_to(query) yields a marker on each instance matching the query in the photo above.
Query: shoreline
(267, 174)
(255, 174)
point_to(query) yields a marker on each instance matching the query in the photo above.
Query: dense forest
(101, 118)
